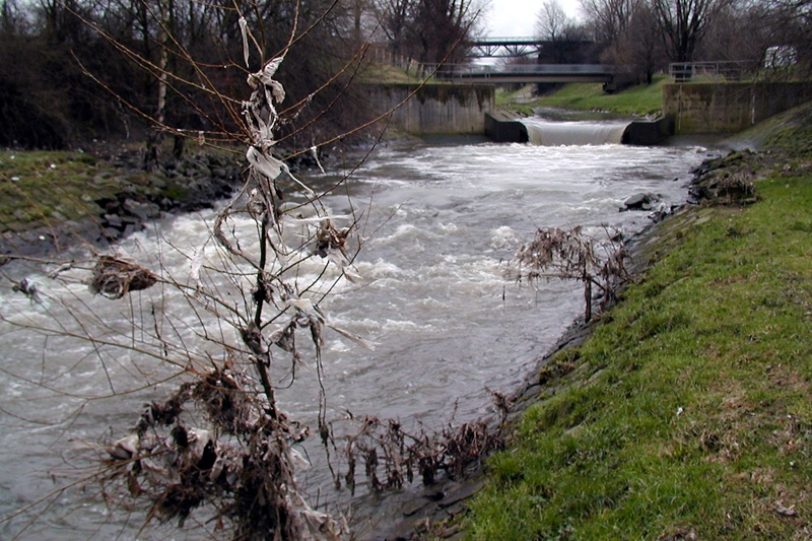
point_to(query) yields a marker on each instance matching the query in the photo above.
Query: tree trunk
(152, 154)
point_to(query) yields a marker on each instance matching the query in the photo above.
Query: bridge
(526, 73)
(516, 47)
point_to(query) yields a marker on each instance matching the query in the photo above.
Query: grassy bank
(638, 100)
(687, 414)
(47, 197)
(42, 188)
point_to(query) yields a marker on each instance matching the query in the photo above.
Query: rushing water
(439, 222)
(556, 133)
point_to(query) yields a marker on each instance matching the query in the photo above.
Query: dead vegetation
(392, 457)
(114, 277)
(220, 452)
(242, 462)
(729, 180)
(572, 255)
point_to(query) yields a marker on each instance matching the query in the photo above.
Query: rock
(144, 211)
(640, 201)
(415, 506)
(132, 228)
(109, 233)
(113, 220)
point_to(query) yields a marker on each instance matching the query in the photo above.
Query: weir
(550, 133)
(502, 127)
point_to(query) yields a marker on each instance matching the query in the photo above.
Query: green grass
(689, 408)
(638, 100)
(46, 188)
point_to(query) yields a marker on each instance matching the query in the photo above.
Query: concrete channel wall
(729, 107)
(435, 108)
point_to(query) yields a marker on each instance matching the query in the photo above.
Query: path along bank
(686, 414)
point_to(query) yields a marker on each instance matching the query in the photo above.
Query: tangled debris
(242, 463)
(114, 277)
(221, 443)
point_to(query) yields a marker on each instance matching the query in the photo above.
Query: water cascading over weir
(555, 133)
(502, 127)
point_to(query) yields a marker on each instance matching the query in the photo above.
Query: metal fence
(736, 70)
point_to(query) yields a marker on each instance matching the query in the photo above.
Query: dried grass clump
(729, 180)
(114, 277)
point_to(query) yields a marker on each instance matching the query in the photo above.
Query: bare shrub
(220, 446)
(220, 451)
(393, 456)
(572, 255)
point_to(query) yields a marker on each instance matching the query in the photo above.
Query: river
(439, 222)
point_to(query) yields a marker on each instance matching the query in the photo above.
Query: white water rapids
(440, 221)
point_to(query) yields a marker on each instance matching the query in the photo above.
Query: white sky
(517, 18)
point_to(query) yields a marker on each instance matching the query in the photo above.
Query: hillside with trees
(75, 70)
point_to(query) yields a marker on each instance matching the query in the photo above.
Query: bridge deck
(527, 73)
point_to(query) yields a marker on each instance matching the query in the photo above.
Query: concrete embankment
(699, 108)
(434, 108)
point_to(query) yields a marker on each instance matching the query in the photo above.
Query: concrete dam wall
(435, 108)
(729, 107)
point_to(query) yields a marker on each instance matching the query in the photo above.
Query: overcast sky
(517, 18)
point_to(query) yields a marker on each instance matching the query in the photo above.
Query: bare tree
(439, 29)
(683, 24)
(788, 23)
(431, 31)
(640, 46)
(9, 15)
(395, 17)
(608, 18)
(552, 21)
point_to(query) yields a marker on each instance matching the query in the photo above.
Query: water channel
(440, 221)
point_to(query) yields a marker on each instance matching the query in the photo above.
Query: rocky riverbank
(53, 201)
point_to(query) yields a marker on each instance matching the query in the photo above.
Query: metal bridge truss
(505, 48)
(513, 47)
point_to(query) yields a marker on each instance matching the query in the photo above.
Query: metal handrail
(728, 69)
